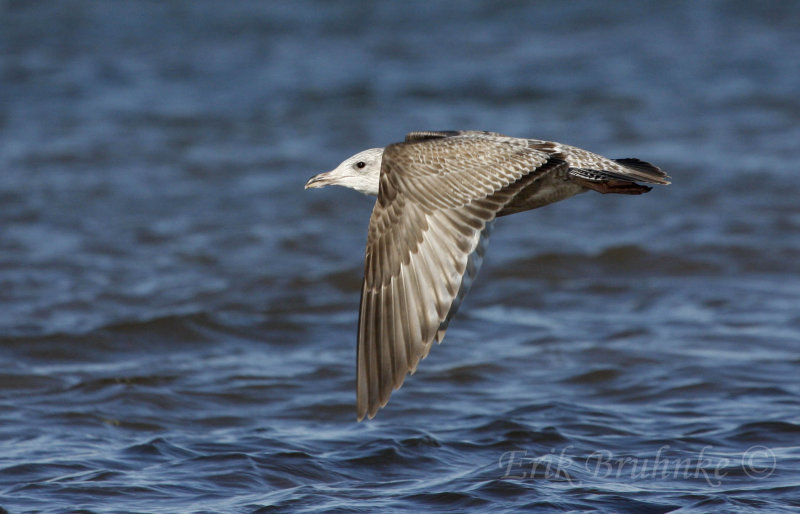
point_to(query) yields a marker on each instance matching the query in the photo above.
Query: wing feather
(425, 241)
(400, 337)
(439, 193)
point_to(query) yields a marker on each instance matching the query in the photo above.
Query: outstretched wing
(426, 236)
(591, 167)
(420, 135)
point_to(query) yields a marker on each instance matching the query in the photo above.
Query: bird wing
(420, 135)
(427, 232)
(591, 167)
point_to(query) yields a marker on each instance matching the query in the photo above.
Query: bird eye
(360, 164)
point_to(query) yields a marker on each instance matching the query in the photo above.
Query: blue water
(178, 316)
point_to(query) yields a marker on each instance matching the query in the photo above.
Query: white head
(361, 172)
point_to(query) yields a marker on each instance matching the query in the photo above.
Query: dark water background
(177, 315)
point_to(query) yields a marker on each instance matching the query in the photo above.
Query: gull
(439, 193)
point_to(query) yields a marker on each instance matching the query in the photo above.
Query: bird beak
(321, 180)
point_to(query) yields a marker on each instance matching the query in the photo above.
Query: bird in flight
(438, 195)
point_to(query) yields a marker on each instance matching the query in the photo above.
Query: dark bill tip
(320, 180)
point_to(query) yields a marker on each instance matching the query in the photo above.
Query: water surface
(177, 331)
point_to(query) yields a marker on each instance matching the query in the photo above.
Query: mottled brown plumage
(438, 194)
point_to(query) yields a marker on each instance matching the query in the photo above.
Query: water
(177, 330)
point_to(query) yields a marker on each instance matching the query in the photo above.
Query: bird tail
(622, 178)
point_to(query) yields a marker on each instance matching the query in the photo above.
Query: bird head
(361, 172)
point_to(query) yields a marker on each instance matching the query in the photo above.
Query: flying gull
(438, 195)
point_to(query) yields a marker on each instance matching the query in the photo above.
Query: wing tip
(369, 412)
(424, 135)
(653, 173)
